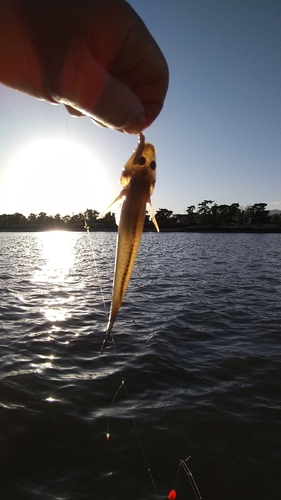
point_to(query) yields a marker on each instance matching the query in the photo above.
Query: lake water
(198, 343)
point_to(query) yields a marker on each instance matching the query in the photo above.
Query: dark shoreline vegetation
(209, 217)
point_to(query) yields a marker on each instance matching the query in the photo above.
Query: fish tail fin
(106, 337)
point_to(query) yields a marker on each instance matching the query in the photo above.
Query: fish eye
(153, 165)
(141, 160)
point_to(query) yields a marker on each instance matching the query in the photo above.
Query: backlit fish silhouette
(137, 180)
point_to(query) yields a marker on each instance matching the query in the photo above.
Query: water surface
(198, 345)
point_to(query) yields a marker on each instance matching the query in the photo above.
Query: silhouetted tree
(19, 218)
(275, 219)
(76, 218)
(16, 219)
(190, 214)
(258, 214)
(109, 221)
(208, 210)
(204, 209)
(164, 217)
(32, 218)
(91, 215)
(65, 219)
(233, 213)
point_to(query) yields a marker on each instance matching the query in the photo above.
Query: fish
(137, 179)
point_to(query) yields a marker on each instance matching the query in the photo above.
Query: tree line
(210, 214)
(207, 215)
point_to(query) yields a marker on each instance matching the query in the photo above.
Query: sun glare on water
(57, 256)
(57, 250)
(54, 176)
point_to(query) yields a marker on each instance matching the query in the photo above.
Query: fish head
(141, 166)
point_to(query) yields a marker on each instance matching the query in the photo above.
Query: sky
(218, 136)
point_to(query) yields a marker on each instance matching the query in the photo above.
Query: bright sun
(55, 176)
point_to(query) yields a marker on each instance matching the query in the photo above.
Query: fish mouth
(140, 148)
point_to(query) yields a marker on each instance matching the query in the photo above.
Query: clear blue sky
(218, 136)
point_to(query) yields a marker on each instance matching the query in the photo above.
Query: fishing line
(68, 133)
(191, 479)
(86, 226)
(182, 464)
(123, 384)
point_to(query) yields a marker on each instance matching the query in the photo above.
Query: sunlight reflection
(57, 256)
(54, 315)
(51, 399)
(56, 310)
(44, 363)
(40, 367)
(53, 275)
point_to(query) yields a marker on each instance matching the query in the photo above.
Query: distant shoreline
(230, 230)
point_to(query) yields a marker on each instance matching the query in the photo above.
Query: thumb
(86, 88)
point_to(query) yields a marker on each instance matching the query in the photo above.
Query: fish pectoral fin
(152, 216)
(118, 214)
(115, 205)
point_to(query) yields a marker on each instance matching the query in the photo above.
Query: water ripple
(198, 345)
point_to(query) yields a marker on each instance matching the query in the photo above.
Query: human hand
(94, 56)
